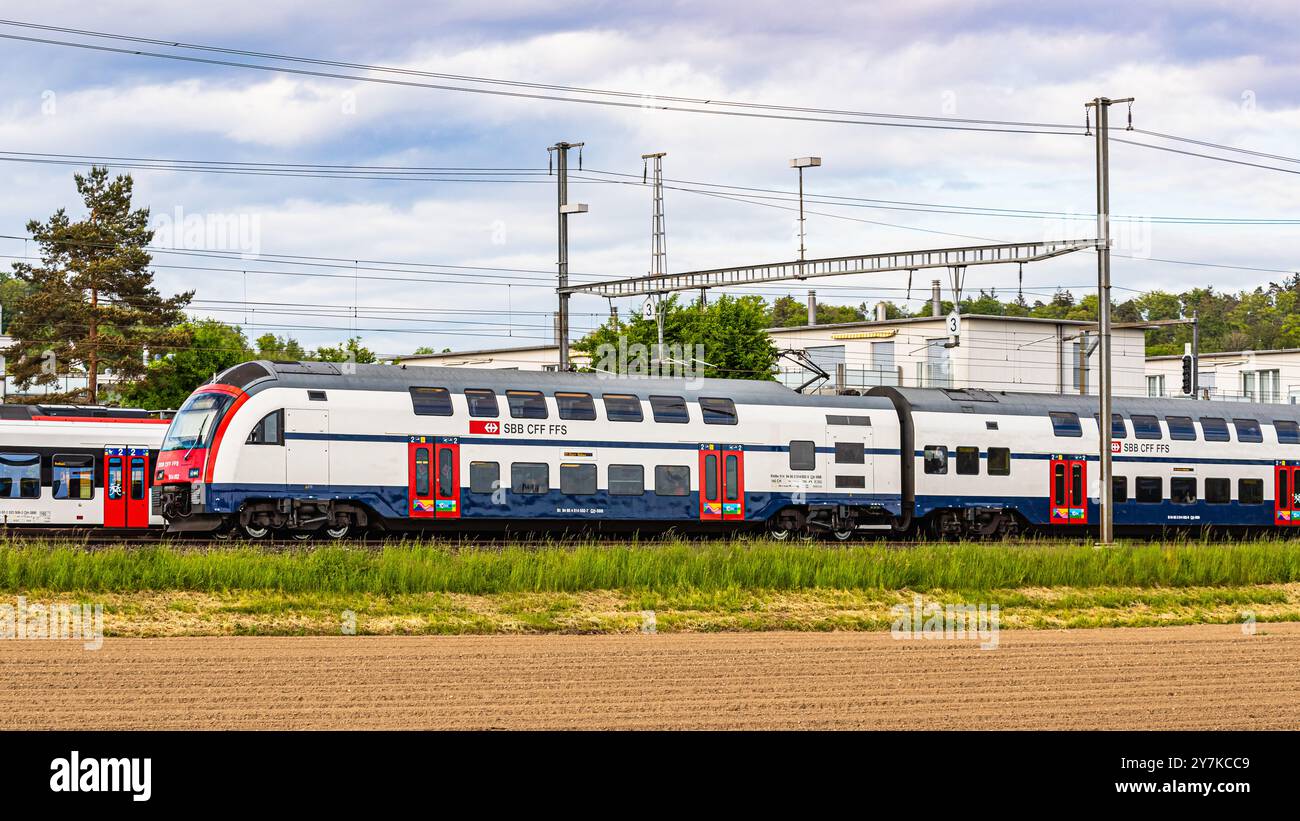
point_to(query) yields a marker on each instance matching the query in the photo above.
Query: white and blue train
(329, 450)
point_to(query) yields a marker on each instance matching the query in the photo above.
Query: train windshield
(195, 422)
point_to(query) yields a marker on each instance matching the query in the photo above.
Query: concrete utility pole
(563, 209)
(1102, 106)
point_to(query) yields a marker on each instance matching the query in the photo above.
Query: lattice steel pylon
(658, 233)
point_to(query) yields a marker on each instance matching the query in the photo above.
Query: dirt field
(1172, 677)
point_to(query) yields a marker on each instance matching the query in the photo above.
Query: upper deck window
(1181, 428)
(1146, 427)
(1065, 424)
(1247, 430)
(431, 401)
(575, 405)
(526, 404)
(482, 402)
(1215, 429)
(718, 411)
(622, 407)
(669, 409)
(1288, 432)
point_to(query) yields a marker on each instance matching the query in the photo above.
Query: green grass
(658, 567)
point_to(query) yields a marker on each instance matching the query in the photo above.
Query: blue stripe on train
(1036, 510)
(391, 501)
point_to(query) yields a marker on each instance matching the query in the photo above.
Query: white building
(1251, 376)
(991, 352)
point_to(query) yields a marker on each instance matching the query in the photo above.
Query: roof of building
(1227, 354)
(478, 352)
(975, 400)
(872, 323)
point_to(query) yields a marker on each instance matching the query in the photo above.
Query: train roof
(11, 413)
(976, 400)
(259, 375)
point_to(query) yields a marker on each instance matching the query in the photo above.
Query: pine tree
(90, 305)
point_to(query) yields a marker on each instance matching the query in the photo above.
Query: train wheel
(780, 535)
(843, 535)
(301, 535)
(221, 534)
(337, 533)
(253, 531)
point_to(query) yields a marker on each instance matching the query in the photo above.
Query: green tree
(91, 305)
(210, 348)
(350, 351)
(732, 332)
(287, 349)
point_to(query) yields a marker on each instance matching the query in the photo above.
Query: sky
(477, 257)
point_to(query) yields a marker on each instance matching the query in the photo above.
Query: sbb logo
(485, 427)
(1115, 446)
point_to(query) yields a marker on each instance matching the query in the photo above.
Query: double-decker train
(78, 468)
(327, 450)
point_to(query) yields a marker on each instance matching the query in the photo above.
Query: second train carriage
(323, 449)
(78, 468)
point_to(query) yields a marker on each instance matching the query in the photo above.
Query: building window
(803, 455)
(1181, 428)
(671, 409)
(1247, 430)
(936, 458)
(578, 479)
(482, 402)
(850, 453)
(673, 480)
(530, 477)
(968, 461)
(1218, 491)
(1261, 386)
(1215, 429)
(1065, 424)
(1146, 427)
(1156, 385)
(622, 407)
(431, 401)
(1250, 491)
(1182, 490)
(718, 411)
(484, 477)
(578, 406)
(268, 431)
(999, 461)
(73, 475)
(526, 404)
(626, 480)
(1150, 490)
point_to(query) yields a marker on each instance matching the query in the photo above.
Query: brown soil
(1169, 677)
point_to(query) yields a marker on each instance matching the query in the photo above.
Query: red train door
(722, 483)
(1286, 495)
(1068, 494)
(433, 477)
(126, 487)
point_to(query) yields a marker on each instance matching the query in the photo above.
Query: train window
(269, 430)
(936, 458)
(1215, 429)
(20, 476)
(1118, 430)
(1146, 427)
(626, 480)
(1076, 481)
(575, 406)
(1181, 428)
(850, 453)
(861, 421)
(1288, 432)
(622, 407)
(1119, 489)
(669, 409)
(851, 482)
(577, 479)
(732, 477)
(1282, 495)
(803, 455)
(530, 477)
(673, 480)
(316, 396)
(1247, 430)
(137, 477)
(1182, 490)
(999, 461)
(484, 477)
(1058, 484)
(1065, 424)
(422, 472)
(1150, 489)
(1250, 491)
(718, 411)
(482, 402)
(526, 404)
(114, 480)
(73, 475)
(446, 483)
(1218, 491)
(968, 460)
(711, 477)
(431, 401)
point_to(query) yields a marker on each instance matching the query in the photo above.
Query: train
(331, 450)
(79, 468)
